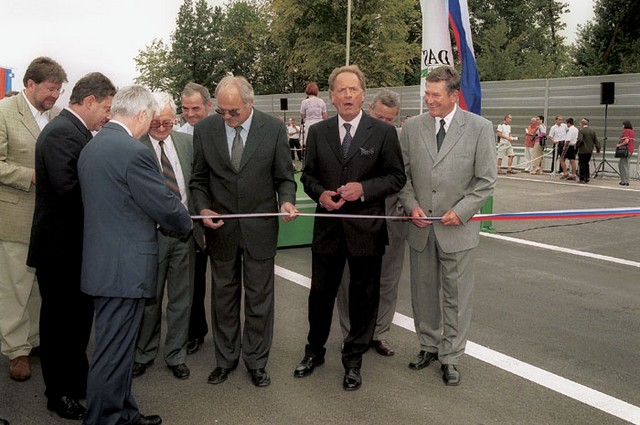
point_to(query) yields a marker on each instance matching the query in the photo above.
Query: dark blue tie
(346, 142)
(441, 134)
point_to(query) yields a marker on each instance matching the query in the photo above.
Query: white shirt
(354, 126)
(558, 133)
(572, 135)
(505, 130)
(186, 128)
(170, 151)
(42, 118)
(231, 132)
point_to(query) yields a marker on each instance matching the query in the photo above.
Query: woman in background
(312, 110)
(627, 138)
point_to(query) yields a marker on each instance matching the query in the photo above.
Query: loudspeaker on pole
(284, 104)
(607, 93)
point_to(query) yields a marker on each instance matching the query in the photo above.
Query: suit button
(433, 191)
(430, 211)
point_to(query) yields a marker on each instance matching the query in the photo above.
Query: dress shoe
(307, 365)
(422, 360)
(260, 377)
(383, 347)
(180, 371)
(193, 345)
(19, 369)
(4, 422)
(66, 407)
(139, 369)
(148, 420)
(352, 380)
(219, 375)
(450, 374)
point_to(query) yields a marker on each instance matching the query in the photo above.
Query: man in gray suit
(21, 119)
(176, 254)
(385, 107)
(241, 165)
(125, 199)
(449, 158)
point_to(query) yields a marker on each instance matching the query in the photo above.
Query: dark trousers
(295, 144)
(583, 166)
(228, 277)
(198, 327)
(66, 316)
(364, 294)
(109, 397)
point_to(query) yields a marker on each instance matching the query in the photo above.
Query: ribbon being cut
(532, 215)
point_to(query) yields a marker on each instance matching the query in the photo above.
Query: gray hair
(447, 74)
(244, 87)
(388, 98)
(130, 100)
(164, 99)
(192, 88)
(354, 69)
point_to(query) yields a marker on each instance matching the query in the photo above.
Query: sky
(91, 35)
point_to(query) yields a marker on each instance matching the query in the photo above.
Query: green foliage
(152, 64)
(610, 44)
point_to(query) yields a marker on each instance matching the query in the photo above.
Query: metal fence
(575, 97)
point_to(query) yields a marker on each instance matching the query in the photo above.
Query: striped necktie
(167, 171)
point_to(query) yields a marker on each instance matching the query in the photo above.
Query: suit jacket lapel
(146, 140)
(362, 135)
(183, 154)
(27, 117)
(428, 136)
(253, 138)
(454, 134)
(333, 138)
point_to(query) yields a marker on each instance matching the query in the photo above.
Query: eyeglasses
(55, 91)
(233, 112)
(157, 124)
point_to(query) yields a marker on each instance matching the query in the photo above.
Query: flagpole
(348, 32)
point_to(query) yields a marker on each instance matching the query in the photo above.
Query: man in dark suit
(450, 161)
(55, 249)
(125, 199)
(353, 162)
(176, 254)
(241, 165)
(587, 140)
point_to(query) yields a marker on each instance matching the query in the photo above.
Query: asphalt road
(556, 313)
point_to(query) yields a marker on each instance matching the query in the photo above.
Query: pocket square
(366, 152)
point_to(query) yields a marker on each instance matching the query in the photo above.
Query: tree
(610, 44)
(152, 64)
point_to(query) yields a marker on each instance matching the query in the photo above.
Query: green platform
(300, 231)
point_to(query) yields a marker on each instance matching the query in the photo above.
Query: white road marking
(581, 393)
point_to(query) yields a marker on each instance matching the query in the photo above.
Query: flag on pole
(471, 97)
(436, 47)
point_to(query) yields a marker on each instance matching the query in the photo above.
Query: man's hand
(290, 209)
(208, 222)
(352, 191)
(417, 212)
(327, 203)
(450, 219)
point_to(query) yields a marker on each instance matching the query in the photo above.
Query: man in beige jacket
(21, 119)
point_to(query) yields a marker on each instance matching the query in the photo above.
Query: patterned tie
(441, 134)
(346, 142)
(167, 171)
(236, 149)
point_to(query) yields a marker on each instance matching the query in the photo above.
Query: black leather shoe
(352, 380)
(219, 375)
(193, 345)
(139, 369)
(260, 377)
(66, 407)
(383, 347)
(4, 422)
(422, 360)
(148, 420)
(180, 371)
(450, 374)
(307, 365)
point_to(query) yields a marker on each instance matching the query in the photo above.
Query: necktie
(236, 149)
(441, 134)
(346, 142)
(167, 171)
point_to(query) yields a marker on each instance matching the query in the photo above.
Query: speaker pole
(601, 168)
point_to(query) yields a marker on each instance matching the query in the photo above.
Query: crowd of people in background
(568, 142)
